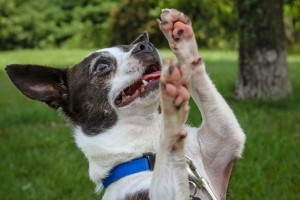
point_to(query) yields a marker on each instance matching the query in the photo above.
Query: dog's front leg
(220, 136)
(170, 180)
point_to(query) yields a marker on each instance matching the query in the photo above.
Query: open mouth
(148, 82)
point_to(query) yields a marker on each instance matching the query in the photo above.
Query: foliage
(131, 18)
(48, 23)
(292, 20)
(98, 23)
(213, 20)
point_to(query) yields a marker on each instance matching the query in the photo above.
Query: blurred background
(97, 23)
(252, 53)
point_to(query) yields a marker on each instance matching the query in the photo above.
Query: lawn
(39, 159)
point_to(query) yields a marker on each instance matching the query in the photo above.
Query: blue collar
(145, 163)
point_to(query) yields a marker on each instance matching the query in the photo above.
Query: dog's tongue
(154, 75)
(139, 88)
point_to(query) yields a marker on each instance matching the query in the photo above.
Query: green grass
(39, 159)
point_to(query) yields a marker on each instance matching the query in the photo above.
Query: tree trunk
(263, 71)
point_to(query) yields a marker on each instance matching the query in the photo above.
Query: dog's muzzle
(143, 47)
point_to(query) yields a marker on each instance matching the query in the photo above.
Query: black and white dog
(112, 98)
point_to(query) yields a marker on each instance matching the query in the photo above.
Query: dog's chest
(126, 140)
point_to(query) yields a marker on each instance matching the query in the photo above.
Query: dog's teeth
(123, 95)
(145, 82)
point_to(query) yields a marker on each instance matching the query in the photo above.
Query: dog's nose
(143, 47)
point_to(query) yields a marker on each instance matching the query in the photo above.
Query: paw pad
(174, 84)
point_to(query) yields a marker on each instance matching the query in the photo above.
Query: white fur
(124, 141)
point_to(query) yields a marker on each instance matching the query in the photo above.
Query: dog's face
(105, 86)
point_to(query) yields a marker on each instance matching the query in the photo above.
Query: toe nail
(187, 18)
(165, 10)
(171, 69)
(164, 22)
(178, 107)
(197, 60)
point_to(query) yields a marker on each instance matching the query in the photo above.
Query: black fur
(80, 92)
(88, 105)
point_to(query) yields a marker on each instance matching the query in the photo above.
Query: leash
(197, 181)
(146, 163)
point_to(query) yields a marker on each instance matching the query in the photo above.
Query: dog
(128, 114)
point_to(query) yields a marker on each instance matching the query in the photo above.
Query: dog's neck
(142, 164)
(126, 140)
(139, 111)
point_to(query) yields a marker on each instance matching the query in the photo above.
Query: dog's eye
(102, 67)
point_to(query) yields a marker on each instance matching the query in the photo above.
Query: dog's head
(105, 86)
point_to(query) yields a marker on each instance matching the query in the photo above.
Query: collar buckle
(151, 159)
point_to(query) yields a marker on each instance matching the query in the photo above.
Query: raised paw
(175, 25)
(174, 98)
(178, 30)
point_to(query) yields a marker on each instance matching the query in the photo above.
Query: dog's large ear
(45, 84)
(143, 37)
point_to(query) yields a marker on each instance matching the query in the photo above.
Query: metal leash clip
(195, 177)
(192, 196)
